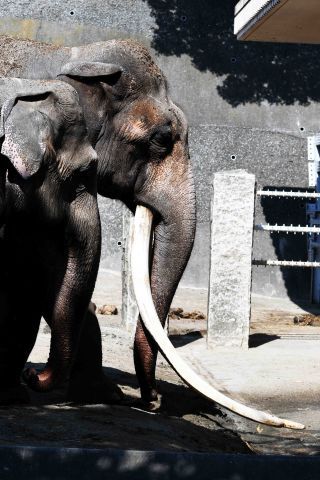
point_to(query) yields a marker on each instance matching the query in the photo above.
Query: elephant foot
(150, 400)
(94, 389)
(43, 381)
(148, 395)
(14, 395)
(153, 406)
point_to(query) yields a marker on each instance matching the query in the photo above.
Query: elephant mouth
(141, 282)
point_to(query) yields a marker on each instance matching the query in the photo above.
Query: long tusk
(141, 283)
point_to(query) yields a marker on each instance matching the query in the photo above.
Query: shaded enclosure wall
(249, 106)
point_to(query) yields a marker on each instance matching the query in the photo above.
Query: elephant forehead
(133, 129)
(148, 111)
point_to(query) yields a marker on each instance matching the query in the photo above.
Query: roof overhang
(291, 21)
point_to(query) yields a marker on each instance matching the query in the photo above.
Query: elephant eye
(162, 137)
(161, 142)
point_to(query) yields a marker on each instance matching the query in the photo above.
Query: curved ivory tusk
(141, 283)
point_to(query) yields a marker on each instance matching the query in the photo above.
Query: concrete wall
(249, 106)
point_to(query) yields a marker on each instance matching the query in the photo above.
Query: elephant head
(47, 153)
(141, 139)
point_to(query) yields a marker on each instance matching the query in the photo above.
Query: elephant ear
(91, 70)
(23, 129)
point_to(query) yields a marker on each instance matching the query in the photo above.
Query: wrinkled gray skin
(50, 243)
(140, 136)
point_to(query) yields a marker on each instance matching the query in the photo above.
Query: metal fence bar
(285, 263)
(286, 228)
(283, 193)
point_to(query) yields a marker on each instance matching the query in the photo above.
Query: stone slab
(231, 257)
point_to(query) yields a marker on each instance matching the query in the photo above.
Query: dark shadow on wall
(250, 72)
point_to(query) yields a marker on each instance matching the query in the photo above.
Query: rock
(108, 310)
(176, 313)
(194, 315)
(307, 320)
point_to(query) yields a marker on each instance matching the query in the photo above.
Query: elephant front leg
(72, 291)
(65, 316)
(166, 269)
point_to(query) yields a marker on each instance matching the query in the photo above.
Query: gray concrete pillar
(129, 309)
(232, 216)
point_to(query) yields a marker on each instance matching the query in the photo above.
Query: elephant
(50, 243)
(141, 138)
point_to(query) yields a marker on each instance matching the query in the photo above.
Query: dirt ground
(181, 421)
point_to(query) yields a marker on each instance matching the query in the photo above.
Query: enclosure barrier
(288, 229)
(232, 238)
